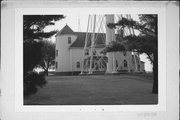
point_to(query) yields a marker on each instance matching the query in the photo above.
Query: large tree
(48, 55)
(33, 34)
(145, 42)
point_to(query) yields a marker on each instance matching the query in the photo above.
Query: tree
(33, 26)
(146, 42)
(33, 33)
(113, 47)
(48, 55)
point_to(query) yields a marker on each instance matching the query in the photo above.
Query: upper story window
(56, 52)
(69, 40)
(78, 64)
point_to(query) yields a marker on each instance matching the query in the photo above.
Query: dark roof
(80, 41)
(65, 30)
(81, 36)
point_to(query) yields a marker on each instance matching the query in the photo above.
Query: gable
(65, 30)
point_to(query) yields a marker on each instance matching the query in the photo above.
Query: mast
(92, 45)
(94, 60)
(79, 26)
(85, 47)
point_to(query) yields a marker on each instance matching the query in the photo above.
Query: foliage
(146, 41)
(48, 55)
(32, 82)
(32, 55)
(113, 47)
(142, 44)
(33, 26)
(33, 34)
(147, 24)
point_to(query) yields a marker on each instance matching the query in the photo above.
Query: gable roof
(80, 40)
(65, 30)
(81, 36)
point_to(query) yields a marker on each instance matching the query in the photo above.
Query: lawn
(95, 90)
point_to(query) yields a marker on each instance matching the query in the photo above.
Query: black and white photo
(99, 65)
(89, 60)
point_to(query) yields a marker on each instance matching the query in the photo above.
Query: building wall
(67, 58)
(63, 56)
(120, 57)
(76, 55)
(139, 66)
(132, 66)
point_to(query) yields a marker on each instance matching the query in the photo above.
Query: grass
(95, 90)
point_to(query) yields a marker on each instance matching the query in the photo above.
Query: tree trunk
(46, 72)
(155, 74)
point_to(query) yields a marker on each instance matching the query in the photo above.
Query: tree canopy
(48, 55)
(33, 34)
(114, 46)
(33, 26)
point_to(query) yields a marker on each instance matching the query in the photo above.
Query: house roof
(65, 30)
(81, 36)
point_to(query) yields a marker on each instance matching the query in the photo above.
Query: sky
(78, 23)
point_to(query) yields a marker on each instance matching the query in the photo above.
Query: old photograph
(107, 59)
(95, 60)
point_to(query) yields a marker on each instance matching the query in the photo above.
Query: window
(78, 64)
(138, 67)
(133, 59)
(87, 52)
(56, 53)
(125, 63)
(69, 40)
(56, 65)
(124, 53)
(116, 64)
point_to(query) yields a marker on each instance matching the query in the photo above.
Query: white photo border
(19, 12)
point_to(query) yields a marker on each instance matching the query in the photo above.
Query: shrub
(33, 81)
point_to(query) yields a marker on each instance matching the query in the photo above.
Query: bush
(114, 46)
(32, 81)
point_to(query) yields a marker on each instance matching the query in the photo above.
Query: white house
(70, 48)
